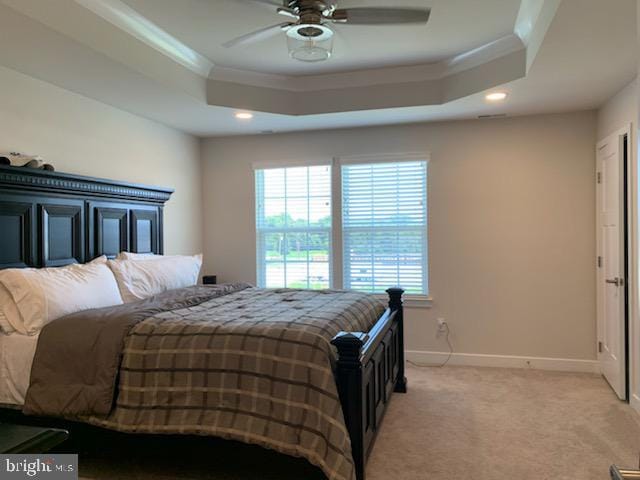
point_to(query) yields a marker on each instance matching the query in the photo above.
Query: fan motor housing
(313, 10)
(309, 31)
(305, 31)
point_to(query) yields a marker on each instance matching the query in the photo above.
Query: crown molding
(533, 20)
(127, 19)
(483, 54)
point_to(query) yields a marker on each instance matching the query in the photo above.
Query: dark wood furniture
(53, 219)
(28, 439)
(370, 368)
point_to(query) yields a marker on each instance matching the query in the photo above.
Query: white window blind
(384, 226)
(293, 226)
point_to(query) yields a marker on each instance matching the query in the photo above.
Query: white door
(611, 258)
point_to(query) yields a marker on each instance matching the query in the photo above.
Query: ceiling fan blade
(273, 3)
(287, 12)
(381, 16)
(256, 36)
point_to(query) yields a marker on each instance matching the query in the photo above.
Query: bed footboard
(370, 368)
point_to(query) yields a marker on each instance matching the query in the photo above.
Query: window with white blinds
(293, 226)
(384, 226)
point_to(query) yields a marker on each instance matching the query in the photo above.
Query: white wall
(619, 111)
(511, 206)
(79, 135)
(512, 240)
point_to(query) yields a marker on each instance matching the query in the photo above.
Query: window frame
(336, 261)
(261, 262)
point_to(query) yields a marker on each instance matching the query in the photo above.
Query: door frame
(629, 249)
(634, 279)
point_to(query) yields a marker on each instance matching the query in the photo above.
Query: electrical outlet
(442, 326)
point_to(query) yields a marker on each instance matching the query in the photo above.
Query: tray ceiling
(162, 59)
(455, 27)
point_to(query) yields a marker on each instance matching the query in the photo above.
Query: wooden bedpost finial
(349, 345)
(395, 297)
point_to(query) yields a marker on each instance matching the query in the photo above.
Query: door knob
(616, 281)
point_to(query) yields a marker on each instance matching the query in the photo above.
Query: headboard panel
(52, 219)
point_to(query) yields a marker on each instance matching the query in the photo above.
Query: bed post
(350, 388)
(395, 304)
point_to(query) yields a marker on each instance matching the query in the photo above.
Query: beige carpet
(480, 423)
(455, 422)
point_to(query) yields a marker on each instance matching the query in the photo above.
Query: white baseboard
(504, 361)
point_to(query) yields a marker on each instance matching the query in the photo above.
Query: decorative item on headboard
(30, 161)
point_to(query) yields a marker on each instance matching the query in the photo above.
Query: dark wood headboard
(53, 219)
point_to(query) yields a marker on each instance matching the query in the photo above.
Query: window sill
(412, 301)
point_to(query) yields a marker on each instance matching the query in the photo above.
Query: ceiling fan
(309, 39)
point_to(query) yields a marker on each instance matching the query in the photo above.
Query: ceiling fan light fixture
(310, 42)
(310, 52)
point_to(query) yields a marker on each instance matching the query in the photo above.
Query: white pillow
(142, 279)
(7, 304)
(43, 295)
(136, 256)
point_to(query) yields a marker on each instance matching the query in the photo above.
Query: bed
(330, 418)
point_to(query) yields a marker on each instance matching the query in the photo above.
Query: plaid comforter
(252, 365)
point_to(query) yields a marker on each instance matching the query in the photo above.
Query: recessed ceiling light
(496, 96)
(244, 115)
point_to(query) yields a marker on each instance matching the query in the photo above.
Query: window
(293, 225)
(380, 228)
(384, 226)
